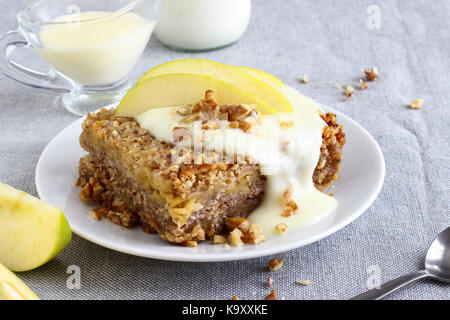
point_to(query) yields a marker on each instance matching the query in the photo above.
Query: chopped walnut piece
(275, 264)
(236, 222)
(235, 238)
(290, 205)
(270, 282)
(179, 134)
(364, 85)
(234, 124)
(254, 238)
(191, 243)
(249, 233)
(371, 73)
(184, 110)
(219, 239)
(417, 104)
(190, 118)
(281, 227)
(272, 295)
(245, 125)
(286, 124)
(303, 282)
(210, 125)
(304, 79)
(337, 86)
(348, 90)
(254, 228)
(235, 298)
(94, 214)
(237, 113)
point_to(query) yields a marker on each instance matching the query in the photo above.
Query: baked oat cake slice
(134, 178)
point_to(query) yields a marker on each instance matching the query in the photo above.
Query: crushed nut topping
(190, 243)
(303, 282)
(275, 264)
(237, 222)
(272, 295)
(281, 227)
(290, 205)
(94, 214)
(348, 90)
(219, 239)
(235, 238)
(209, 111)
(304, 79)
(210, 125)
(270, 282)
(364, 85)
(286, 124)
(417, 104)
(243, 232)
(180, 133)
(371, 73)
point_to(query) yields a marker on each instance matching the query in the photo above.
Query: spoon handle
(391, 286)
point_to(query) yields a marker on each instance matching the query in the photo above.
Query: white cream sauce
(287, 157)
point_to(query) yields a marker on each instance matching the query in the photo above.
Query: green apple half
(178, 89)
(257, 83)
(12, 288)
(32, 231)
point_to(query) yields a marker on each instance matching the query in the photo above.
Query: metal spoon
(437, 266)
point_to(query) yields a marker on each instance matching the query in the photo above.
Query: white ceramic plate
(362, 175)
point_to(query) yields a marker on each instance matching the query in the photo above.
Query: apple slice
(177, 89)
(232, 75)
(263, 76)
(12, 288)
(32, 231)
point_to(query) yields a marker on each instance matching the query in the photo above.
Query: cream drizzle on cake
(285, 145)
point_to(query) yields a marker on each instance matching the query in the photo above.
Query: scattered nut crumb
(371, 73)
(270, 282)
(191, 243)
(235, 238)
(226, 245)
(272, 295)
(249, 233)
(290, 206)
(281, 227)
(275, 264)
(417, 104)
(364, 85)
(348, 90)
(95, 215)
(235, 298)
(305, 78)
(303, 282)
(234, 124)
(337, 86)
(219, 239)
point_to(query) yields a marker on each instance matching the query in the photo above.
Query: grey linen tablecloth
(329, 41)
